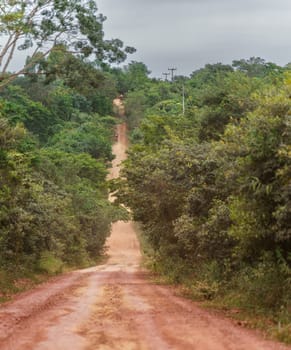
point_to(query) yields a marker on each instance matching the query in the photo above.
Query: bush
(266, 285)
(49, 263)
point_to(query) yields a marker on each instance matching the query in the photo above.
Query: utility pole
(166, 76)
(183, 98)
(172, 70)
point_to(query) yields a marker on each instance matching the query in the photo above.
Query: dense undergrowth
(56, 131)
(211, 187)
(55, 150)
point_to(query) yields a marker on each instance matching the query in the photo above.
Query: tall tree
(256, 67)
(40, 26)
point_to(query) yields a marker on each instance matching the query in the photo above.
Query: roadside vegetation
(211, 187)
(56, 131)
(55, 151)
(208, 174)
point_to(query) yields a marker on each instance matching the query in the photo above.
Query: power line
(166, 76)
(183, 99)
(172, 70)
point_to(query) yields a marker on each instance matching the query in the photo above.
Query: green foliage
(49, 263)
(212, 187)
(225, 99)
(267, 284)
(54, 153)
(55, 136)
(209, 74)
(61, 101)
(90, 136)
(95, 87)
(48, 25)
(132, 77)
(17, 107)
(256, 67)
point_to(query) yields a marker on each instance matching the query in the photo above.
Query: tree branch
(5, 49)
(10, 78)
(10, 56)
(33, 61)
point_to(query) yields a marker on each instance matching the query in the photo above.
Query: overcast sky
(187, 34)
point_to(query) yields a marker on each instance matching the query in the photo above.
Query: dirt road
(115, 306)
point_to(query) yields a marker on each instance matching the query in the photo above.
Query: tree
(132, 77)
(256, 67)
(90, 136)
(209, 74)
(17, 107)
(40, 26)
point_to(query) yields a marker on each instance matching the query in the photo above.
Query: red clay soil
(116, 306)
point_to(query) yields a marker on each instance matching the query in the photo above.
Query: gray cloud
(190, 34)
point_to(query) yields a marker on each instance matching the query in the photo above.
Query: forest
(208, 174)
(210, 182)
(56, 131)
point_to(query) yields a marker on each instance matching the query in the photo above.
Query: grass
(274, 326)
(14, 281)
(238, 301)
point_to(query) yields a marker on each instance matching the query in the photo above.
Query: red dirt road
(116, 306)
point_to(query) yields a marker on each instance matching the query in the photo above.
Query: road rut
(116, 306)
